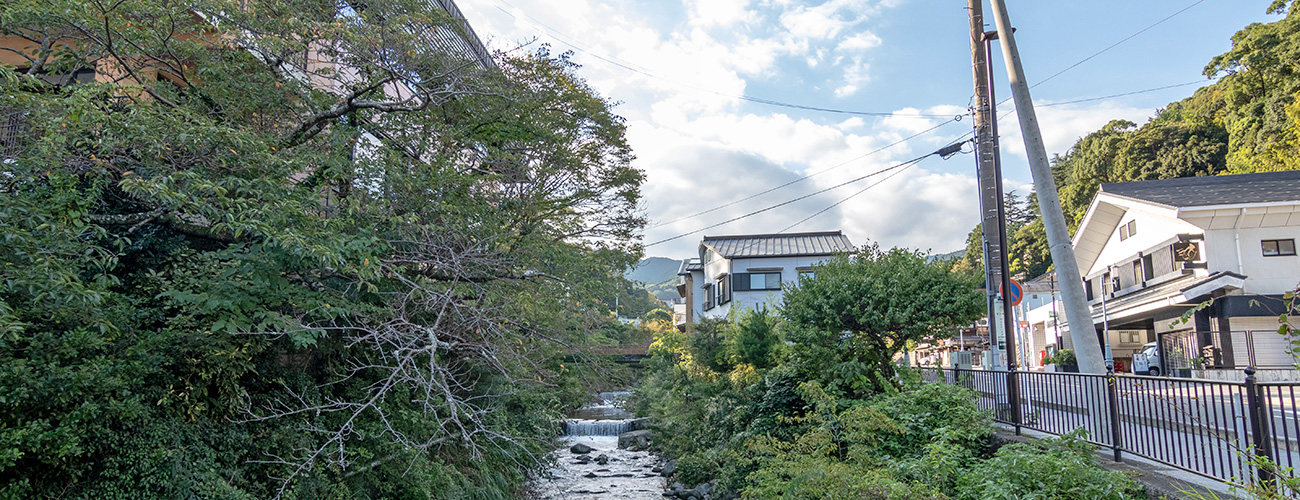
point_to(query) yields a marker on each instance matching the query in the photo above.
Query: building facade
(746, 271)
(1197, 265)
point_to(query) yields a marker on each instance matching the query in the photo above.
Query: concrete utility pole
(1078, 316)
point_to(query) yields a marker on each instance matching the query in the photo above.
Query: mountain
(659, 274)
(654, 270)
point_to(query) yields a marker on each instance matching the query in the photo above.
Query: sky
(867, 86)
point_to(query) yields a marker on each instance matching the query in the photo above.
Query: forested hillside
(1247, 121)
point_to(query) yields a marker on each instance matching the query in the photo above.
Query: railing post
(1013, 397)
(1112, 394)
(1258, 427)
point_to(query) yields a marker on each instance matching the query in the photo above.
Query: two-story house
(1152, 251)
(742, 272)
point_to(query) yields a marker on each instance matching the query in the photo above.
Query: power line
(804, 197)
(1112, 96)
(806, 177)
(1116, 44)
(578, 46)
(940, 152)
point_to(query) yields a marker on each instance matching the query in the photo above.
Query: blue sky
(679, 69)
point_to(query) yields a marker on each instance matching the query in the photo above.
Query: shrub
(1062, 468)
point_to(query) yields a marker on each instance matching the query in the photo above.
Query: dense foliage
(283, 249)
(1248, 121)
(862, 310)
(809, 404)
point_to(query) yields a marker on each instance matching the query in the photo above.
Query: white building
(741, 272)
(1152, 250)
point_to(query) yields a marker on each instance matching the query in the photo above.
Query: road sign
(1017, 293)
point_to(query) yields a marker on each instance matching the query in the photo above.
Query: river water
(626, 474)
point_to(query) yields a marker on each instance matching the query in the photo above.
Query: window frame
(1278, 245)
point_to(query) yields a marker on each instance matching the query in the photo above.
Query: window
(1130, 229)
(766, 281)
(806, 274)
(724, 289)
(756, 281)
(1138, 275)
(1148, 271)
(708, 296)
(1278, 248)
(1087, 289)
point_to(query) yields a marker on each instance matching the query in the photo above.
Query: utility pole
(1078, 316)
(993, 214)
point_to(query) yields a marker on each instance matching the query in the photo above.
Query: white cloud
(719, 12)
(855, 75)
(860, 41)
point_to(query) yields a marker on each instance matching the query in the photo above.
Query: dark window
(1278, 248)
(1130, 229)
(708, 296)
(1148, 271)
(1087, 288)
(724, 289)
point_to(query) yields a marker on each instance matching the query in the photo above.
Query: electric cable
(578, 46)
(806, 177)
(804, 197)
(945, 153)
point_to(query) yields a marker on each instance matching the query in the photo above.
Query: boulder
(640, 439)
(669, 468)
(602, 459)
(580, 449)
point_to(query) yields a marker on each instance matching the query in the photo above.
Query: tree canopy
(287, 249)
(859, 311)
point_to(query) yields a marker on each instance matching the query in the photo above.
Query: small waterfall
(604, 417)
(580, 427)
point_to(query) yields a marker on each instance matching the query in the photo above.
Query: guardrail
(1211, 428)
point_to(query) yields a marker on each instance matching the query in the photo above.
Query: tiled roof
(779, 245)
(1187, 192)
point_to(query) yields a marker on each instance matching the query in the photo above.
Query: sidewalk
(1160, 480)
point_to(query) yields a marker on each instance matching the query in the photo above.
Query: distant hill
(949, 256)
(659, 275)
(654, 270)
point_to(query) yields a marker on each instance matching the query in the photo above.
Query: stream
(623, 474)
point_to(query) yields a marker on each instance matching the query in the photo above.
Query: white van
(1147, 361)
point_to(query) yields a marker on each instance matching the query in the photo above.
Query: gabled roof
(1187, 192)
(778, 245)
(689, 265)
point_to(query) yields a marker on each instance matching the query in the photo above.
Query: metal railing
(1211, 428)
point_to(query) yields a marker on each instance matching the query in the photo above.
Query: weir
(605, 417)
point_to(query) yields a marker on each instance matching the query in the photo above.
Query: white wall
(1152, 230)
(1268, 275)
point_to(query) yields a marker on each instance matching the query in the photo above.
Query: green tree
(859, 311)
(755, 337)
(357, 278)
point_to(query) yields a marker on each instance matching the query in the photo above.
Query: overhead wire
(806, 177)
(578, 46)
(905, 164)
(940, 152)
